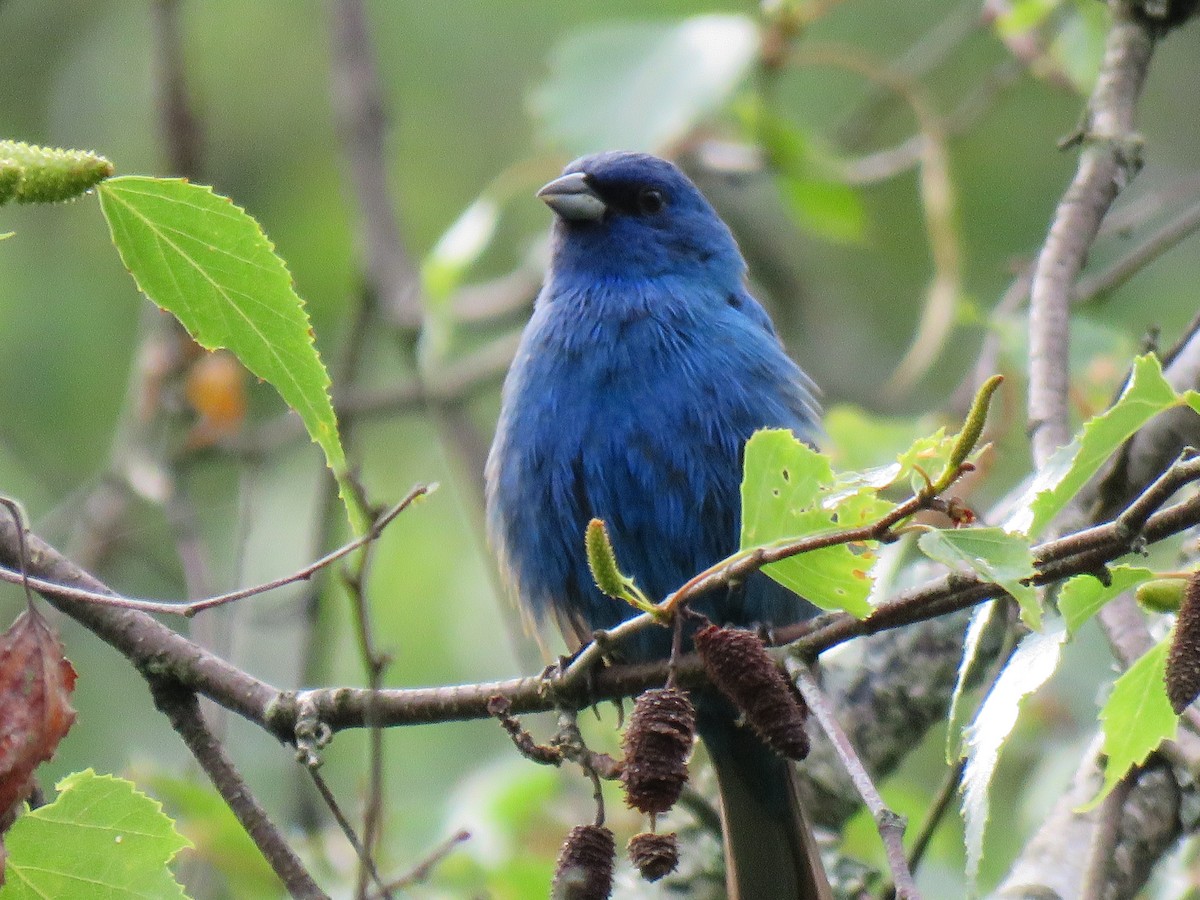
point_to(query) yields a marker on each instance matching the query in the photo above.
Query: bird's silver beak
(573, 198)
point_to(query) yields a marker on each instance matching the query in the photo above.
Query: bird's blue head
(629, 215)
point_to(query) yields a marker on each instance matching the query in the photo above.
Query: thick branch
(1110, 159)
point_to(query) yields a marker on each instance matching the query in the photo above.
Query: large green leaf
(205, 260)
(642, 86)
(100, 838)
(993, 554)
(1146, 395)
(783, 487)
(1083, 595)
(1031, 665)
(1136, 718)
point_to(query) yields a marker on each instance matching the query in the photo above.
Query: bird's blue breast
(631, 401)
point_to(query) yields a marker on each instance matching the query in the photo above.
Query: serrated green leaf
(992, 553)
(218, 837)
(955, 721)
(205, 260)
(1031, 665)
(860, 439)
(642, 86)
(1136, 718)
(1082, 596)
(782, 499)
(1146, 395)
(101, 838)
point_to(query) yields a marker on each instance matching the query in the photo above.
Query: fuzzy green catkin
(48, 174)
(602, 561)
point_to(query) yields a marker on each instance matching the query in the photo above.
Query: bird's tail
(770, 850)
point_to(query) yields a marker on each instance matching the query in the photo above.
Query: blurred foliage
(486, 105)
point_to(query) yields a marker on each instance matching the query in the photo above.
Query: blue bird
(645, 368)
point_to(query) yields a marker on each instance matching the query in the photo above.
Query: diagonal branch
(1110, 159)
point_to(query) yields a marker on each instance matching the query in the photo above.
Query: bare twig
(421, 870)
(937, 198)
(376, 664)
(363, 127)
(182, 710)
(890, 824)
(1100, 285)
(364, 855)
(191, 608)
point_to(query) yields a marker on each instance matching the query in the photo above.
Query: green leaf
(993, 554)
(1031, 665)
(100, 838)
(955, 721)
(927, 458)
(642, 86)
(1082, 596)
(459, 247)
(1146, 395)
(860, 439)
(1136, 718)
(205, 260)
(219, 839)
(782, 490)
(829, 209)
(1079, 45)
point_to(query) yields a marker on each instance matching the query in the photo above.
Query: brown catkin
(1183, 659)
(657, 743)
(654, 855)
(585, 865)
(738, 664)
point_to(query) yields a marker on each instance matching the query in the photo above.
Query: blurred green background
(474, 91)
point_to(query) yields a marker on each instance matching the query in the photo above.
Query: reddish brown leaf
(36, 681)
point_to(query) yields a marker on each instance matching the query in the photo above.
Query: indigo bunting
(645, 368)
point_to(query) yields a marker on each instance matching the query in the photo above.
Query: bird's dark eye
(651, 200)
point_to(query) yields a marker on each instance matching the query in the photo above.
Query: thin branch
(1167, 236)
(364, 855)
(1110, 159)
(187, 609)
(890, 824)
(459, 381)
(154, 647)
(937, 200)
(358, 105)
(376, 664)
(182, 710)
(422, 870)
